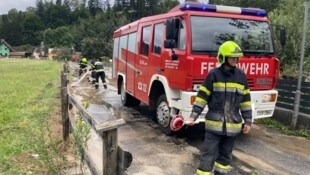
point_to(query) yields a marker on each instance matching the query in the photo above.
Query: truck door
(130, 66)
(142, 64)
(125, 65)
(156, 50)
(175, 68)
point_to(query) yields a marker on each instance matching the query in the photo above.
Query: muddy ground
(260, 152)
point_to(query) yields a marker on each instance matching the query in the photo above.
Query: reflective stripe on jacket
(226, 93)
(99, 66)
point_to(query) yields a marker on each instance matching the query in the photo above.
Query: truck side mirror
(282, 36)
(172, 28)
(169, 43)
(172, 35)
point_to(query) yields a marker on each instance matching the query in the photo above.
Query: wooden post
(109, 157)
(65, 67)
(108, 133)
(64, 106)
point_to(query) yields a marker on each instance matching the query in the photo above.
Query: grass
(29, 96)
(272, 123)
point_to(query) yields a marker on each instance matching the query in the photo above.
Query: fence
(114, 159)
(287, 89)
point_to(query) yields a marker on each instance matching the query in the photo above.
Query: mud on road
(157, 154)
(153, 152)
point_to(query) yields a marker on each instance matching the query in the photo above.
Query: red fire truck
(162, 60)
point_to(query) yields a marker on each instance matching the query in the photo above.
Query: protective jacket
(92, 64)
(100, 74)
(99, 66)
(226, 93)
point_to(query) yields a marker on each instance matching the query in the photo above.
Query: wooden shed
(5, 49)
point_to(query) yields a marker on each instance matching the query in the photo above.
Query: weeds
(81, 135)
(272, 123)
(28, 99)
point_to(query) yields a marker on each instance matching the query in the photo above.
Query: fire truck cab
(162, 60)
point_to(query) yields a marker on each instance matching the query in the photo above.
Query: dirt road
(263, 151)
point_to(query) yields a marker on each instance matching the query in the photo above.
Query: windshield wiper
(257, 53)
(209, 52)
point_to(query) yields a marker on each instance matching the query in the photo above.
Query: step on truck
(162, 60)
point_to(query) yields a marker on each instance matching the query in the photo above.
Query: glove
(194, 115)
(191, 121)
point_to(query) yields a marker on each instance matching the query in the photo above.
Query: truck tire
(163, 115)
(127, 99)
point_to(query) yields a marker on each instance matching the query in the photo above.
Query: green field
(29, 97)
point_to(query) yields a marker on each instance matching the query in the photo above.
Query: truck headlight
(266, 98)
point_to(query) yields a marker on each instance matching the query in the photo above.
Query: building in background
(5, 49)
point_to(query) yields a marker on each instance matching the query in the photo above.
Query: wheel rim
(163, 115)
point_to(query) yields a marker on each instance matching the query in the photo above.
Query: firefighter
(93, 71)
(226, 92)
(83, 65)
(100, 73)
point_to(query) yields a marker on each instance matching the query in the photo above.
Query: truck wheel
(163, 115)
(124, 95)
(127, 99)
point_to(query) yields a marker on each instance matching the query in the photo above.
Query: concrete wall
(285, 116)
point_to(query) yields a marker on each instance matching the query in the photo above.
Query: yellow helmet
(84, 60)
(228, 49)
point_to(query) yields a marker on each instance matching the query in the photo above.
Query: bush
(63, 58)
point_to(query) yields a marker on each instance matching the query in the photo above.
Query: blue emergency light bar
(224, 9)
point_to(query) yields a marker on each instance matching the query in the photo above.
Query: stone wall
(285, 116)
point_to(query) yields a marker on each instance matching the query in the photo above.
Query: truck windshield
(208, 33)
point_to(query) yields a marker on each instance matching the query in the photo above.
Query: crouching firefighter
(100, 73)
(225, 90)
(83, 66)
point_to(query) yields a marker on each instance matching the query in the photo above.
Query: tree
(107, 5)
(12, 28)
(58, 2)
(67, 5)
(33, 27)
(290, 15)
(41, 10)
(60, 37)
(58, 16)
(94, 47)
(94, 7)
(167, 5)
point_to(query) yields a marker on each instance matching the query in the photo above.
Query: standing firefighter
(83, 65)
(225, 90)
(99, 73)
(93, 71)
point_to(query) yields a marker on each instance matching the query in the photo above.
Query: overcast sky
(21, 5)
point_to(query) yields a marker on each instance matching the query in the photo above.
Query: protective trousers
(93, 75)
(216, 153)
(100, 75)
